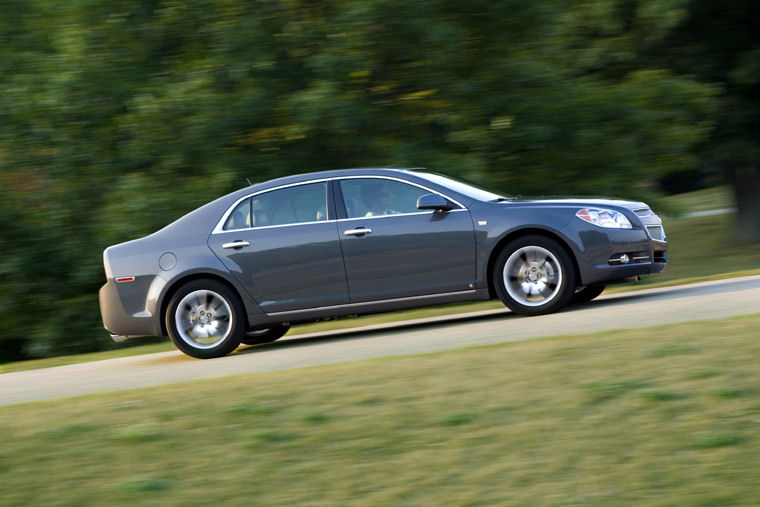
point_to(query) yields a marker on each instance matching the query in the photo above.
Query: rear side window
(240, 218)
(290, 205)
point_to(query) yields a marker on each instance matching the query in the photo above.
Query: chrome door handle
(236, 244)
(361, 231)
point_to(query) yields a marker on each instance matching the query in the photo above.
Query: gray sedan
(245, 267)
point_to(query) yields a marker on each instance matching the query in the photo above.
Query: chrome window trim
(400, 180)
(422, 212)
(220, 224)
(339, 220)
(276, 226)
(219, 228)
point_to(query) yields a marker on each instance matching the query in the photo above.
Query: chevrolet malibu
(246, 266)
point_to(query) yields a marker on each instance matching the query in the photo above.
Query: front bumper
(621, 255)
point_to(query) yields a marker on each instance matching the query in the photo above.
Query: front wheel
(205, 319)
(534, 275)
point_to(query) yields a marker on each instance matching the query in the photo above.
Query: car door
(393, 250)
(283, 246)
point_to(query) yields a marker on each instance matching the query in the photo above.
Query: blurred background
(119, 116)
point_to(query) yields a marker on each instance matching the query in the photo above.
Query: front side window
(290, 205)
(369, 197)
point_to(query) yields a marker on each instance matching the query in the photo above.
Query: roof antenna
(249, 182)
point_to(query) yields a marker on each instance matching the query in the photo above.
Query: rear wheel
(534, 275)
(267, 335)
(205, 319)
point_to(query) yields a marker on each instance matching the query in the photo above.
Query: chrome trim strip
(275, 226)
(426, 212)
(367, 303)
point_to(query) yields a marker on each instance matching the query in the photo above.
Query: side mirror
(435, 202)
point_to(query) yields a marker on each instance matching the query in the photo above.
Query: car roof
(335, 173)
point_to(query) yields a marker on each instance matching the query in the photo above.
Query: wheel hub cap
(536, 274)
(532, 276)
(203, 319)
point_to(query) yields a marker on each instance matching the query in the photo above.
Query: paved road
(652, 307)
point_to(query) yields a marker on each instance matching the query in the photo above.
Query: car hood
(596, 202)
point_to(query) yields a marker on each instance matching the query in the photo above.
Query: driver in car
(376, 197)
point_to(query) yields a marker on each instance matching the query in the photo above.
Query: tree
(117, 117)
(719, 43)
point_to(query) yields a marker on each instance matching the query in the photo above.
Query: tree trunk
(746, 184)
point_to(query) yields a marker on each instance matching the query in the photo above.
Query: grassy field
(709, 199)
(656, 417)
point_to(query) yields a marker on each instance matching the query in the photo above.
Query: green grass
(709, 199)
(656, 417)
(705, 246)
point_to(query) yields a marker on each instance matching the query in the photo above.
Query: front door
(393, 250)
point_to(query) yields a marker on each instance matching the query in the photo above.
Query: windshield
(463, 188)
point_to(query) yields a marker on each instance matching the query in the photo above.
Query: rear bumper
(120, 317)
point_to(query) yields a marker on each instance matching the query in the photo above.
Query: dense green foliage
(117, 117)
(719, 42)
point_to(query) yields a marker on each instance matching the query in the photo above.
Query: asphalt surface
(640, 309)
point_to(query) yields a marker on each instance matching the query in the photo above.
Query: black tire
(268, 335)
(205, 307)
(534, 275)
(586, 293)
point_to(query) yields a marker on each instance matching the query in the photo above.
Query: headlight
(604, 218)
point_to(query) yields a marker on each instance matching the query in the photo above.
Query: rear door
(283, 246)
(393, 250)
